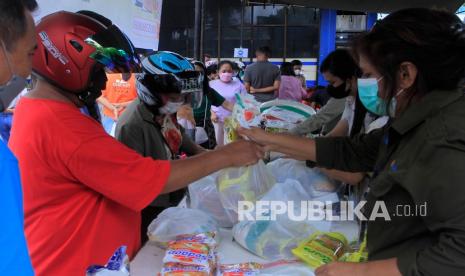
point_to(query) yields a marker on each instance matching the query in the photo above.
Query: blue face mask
(368, 93)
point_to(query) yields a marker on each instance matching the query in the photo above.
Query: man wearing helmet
(149, 124)
(83, 190)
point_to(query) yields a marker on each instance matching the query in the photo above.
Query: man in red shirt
(83, 190)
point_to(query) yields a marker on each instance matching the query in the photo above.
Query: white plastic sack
(274, 240)
(313, 181)
(176, 221)
(204, 196)
(243, 184)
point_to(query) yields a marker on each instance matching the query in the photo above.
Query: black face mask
(338, 92)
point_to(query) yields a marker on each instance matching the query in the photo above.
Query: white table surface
(148, 262)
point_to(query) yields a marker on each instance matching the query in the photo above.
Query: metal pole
(202, 31)
(219, 31)
(197, 27)
(242, 24)
(286, 14)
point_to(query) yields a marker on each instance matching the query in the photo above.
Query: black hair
(223, 62)
(341, 64)
(432, 40)
(212, 69)
(13, 21)
(264, 50)
(287, 69)
(296, 62)
(199, 63)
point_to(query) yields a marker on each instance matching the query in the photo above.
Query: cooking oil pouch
(321, 248)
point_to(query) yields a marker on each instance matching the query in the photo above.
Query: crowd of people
(104, 140)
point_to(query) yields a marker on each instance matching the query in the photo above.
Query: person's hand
(341, 268)
(255, 134)
(115, 112)
(252, 90)
(214, 117)
(242, 153)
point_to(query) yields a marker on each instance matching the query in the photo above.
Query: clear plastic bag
(204, 196)
(274, 239)
(313, 181)
(243, 184)
(175, 221)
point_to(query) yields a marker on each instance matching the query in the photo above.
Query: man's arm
(342, 153)
(247, 86)
(329, 112)
(268, 89)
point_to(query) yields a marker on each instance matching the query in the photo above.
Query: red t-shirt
(83, 190)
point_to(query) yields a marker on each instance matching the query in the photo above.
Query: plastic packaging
(243, 184)
(117, 265)
(283, 115)
(274, 239)
(322, 248)
(204, 196)
(175, 222)
(243, 269)
(246, 113)
(313, 181)
(177, 269)
(191, 255)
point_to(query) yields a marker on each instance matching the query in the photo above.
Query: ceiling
(381, 6)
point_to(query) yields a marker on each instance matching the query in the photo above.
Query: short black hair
(341, 64)
(287, 69)
(296, 62)
(264, 50)
(223, 62)
(212, 69)
(13, 22)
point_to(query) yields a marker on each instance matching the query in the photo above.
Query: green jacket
(417, 160)
(137, 129)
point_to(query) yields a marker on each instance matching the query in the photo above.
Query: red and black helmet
(71, 45)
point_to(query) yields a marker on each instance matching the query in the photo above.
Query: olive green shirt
(416, 159)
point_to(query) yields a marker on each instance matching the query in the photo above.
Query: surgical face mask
(226, 77)
(13, 86)
(368, 93)
(338, 92)
(298, 72)
(170, 107)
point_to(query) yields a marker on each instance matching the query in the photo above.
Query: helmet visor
(192, 87)
(114, 50)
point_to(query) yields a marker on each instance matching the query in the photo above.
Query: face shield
(114, 53)
(191, 87)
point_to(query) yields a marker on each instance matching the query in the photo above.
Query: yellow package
(321, 248)
(230, 133)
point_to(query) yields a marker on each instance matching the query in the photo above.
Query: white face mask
(170, 107)
(298, 72)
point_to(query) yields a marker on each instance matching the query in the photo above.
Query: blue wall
(371, 20)
(327, 38)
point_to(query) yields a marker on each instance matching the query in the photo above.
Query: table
(148, 261)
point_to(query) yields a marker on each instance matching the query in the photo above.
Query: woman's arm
(346, 177)
(386, 267)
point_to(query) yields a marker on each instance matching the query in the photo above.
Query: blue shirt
(14, 256)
